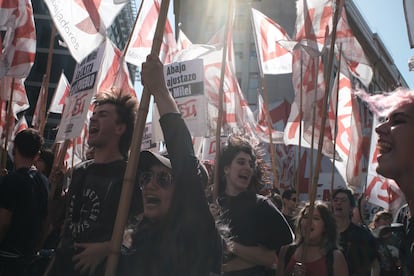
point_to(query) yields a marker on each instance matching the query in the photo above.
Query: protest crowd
(124, 209)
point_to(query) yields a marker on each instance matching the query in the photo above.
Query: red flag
(312, 89)
(61, 92)
(262, 128)
(37, 115)
(380, 191)
(143, 34)
(182, 41)
(19, 126)
(19, 44)
(76, 151)
(349, 136)
(82, 23)
(114, 71)
(273, 57)
(312, 20)
(354, 59)
(20, 101)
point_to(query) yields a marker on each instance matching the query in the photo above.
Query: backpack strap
(330, 262)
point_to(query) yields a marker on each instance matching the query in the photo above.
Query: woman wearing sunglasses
(176, 234)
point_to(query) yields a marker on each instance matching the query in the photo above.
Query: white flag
(273, 57)
(380, 191)
(61, 92)
(82, 24)
(143, 34)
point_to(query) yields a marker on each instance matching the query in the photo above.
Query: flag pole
(324, 105)
(336, 120)
(42, 112)
(276, 183)
(130, 171)
(297, 183)
(316, 59)
(8, 117)
(60, 153)
(220, 99)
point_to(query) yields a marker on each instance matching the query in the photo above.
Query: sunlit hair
(385, 103)
(329, 235)
(236, 144)
(384, 215)
(126, 107)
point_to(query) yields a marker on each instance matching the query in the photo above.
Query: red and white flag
(380, 191)
(262, 128)
(83, 23)
(313, 18)
(19, 41)
(61, 92)
(114, 71)
(40, 107)
(349, 131)
(20, 100)
(353, 56)
(76, 151)
(182, 41)
(143, 35)
(273, 58)
(19, 126)
(308, 79)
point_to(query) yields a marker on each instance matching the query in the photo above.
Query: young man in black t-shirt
(96, 186)
(23, 206)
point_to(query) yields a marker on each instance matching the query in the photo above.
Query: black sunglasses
(164, 179)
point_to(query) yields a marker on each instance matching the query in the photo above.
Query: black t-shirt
(24, 193)
(253, 220)
(93, 199)
(359, 248)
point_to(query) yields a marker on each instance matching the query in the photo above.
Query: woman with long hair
(315, 250)
(256, 228)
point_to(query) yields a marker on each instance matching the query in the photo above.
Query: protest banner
(83, 88)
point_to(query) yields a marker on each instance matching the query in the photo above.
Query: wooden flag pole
(7, 126)
(42, 112)
(315, 177)
(130, 172)
(55, 190)
(220, 99)
(297, 182)
(276, 183)
(338, 79)
(324, 105)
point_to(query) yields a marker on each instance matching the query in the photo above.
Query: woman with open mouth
(256, 227)
(315, 250)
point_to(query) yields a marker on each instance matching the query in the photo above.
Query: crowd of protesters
(175, 227)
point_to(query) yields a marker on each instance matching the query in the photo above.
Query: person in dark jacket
(177, 234)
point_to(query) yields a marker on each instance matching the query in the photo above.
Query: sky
(386, 18)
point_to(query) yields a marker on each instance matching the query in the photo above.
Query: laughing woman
(315, 254)
(256, 228)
